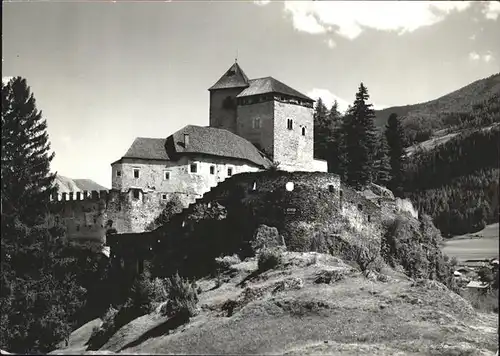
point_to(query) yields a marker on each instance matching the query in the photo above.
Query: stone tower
(279, 121)
(223, 98)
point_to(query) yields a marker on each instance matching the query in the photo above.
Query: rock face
(267, 237)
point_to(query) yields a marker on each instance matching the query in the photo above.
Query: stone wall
(292, 200)
(180, 178)
(263, 136)
(221, 117)
(293, 150)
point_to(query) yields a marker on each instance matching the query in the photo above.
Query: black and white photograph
(246, 177)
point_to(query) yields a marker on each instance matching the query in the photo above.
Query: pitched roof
(204, 140)
(217, 142)
(147, 148)
(233, 78)
(270, 85)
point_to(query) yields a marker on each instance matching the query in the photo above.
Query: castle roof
(270, 85)
(202, 140)
(217, 142)
(147, 148)
(233, 78)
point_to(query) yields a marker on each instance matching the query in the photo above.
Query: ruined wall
(85, 216)
(293, 150)
(81, 214)
(317, 200)
(263, 136)
(152, 174)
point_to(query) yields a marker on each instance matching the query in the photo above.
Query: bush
(182, 297)
(269, 258)
(482, 301)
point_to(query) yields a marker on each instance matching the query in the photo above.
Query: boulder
(267, 237)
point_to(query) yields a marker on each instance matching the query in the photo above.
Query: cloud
(5, 80)
(261, 2)
(492, 10)
(474, 56)
(328, 98)
(487, 57)
(350, 18)
(331, 43)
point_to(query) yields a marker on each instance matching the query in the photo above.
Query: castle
(254, 123)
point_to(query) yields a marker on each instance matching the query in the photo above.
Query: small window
(341, 193)
(212, 169)
(229, 171)
(290, 124)
(331, 188)
(166, 175)
(369, 218)
(193, 168)
(136, 193)
(256, 123)
(164, 196)
(303, 131)
(95, 221)
(118, 173)
(77, 227)
(136, 173)
(360, 207)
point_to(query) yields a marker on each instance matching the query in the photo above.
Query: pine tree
(334, 157)
(321, 133)
(395, 139)
(359, 140)
(383, 163)
(26, 179)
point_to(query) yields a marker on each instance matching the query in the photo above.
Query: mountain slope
(459, 101)
(67, 185)
(292, 310)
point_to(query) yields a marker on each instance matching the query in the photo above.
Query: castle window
(256, 123)
(290, 124)
(136, 193)
(136, 173)
(118, 173)
(166, 175)
(193, 168)
(229, 171)
(212, 169)
(341, 193)
(164, 196)
(331, 188)
(360, 207)
(303, 131)
(369, 218)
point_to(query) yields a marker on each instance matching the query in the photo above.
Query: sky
(104, 73)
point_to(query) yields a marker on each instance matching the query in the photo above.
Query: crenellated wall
(85, 215)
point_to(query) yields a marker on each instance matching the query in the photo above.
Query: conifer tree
(335, 141)
(26, 179)
(395, 139)
(321, 131)
(359, 140)
(382, 163)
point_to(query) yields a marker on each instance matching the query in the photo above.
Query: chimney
(186, 140)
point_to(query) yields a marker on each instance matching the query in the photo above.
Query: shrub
(182, 297)
(269, 258)
(482, 301)
(226, 262)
